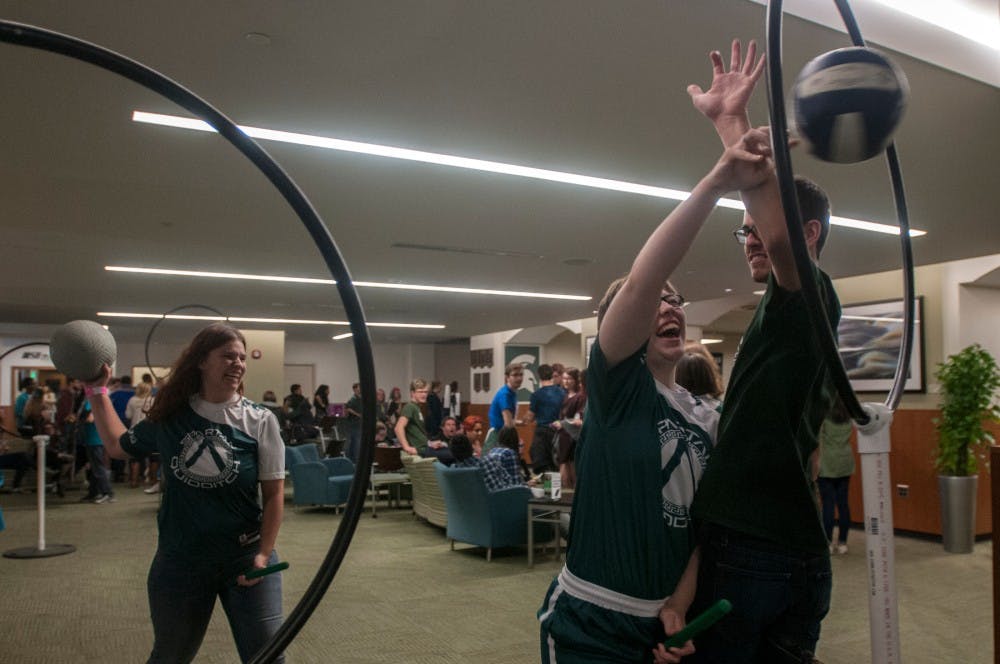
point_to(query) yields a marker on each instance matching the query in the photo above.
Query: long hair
(698, 375)
(185, 376)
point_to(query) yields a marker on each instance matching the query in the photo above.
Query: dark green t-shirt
(641, 453)
(759, 480)
(211, 468)
(416, 434)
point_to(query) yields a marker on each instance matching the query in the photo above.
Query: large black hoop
(789, 200)
(26, 35)
(149, 335)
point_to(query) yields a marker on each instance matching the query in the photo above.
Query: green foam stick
(264, 571)
(708, 618)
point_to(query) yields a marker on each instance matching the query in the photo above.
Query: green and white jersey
(212, 456)
(641, 454)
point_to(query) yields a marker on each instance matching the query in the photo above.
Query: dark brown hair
(185, 376)
(698, 375)
(509, 438)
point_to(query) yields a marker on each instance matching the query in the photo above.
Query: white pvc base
(873, 446)
(40, 551)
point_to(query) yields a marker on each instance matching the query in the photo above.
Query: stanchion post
(40, 443)
(873, 446)
(40, 551)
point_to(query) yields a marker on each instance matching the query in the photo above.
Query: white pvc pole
(873, 446)
(40, 443)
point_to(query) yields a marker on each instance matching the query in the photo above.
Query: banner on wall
(528, 357)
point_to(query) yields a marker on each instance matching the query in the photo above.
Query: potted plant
(969, 380)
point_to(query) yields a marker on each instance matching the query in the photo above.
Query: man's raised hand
(725, 102)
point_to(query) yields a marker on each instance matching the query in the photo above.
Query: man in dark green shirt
(762, 542)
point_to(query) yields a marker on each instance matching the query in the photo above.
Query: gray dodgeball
(80, 347)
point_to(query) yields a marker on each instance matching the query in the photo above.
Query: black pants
(543, 451)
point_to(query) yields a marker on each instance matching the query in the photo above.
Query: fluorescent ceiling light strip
(329, 282)
(960, 18)
(342, 336)
(474, 164)
(285, 321)
(708, 341)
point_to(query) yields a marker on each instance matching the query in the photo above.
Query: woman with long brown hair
(217, 449)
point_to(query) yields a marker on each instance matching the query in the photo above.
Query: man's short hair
(449, 417)
(461, 447)
(509, 438)
(26, 383)
(355, 386)
(295, 386)
(417, 384)
(126, 380)
(814, 204)
(513, 367)
(545, 372)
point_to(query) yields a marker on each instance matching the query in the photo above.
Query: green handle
(699, 624)
(264, 571)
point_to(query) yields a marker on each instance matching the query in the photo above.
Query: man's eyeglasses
(673, 299)
(742, 232)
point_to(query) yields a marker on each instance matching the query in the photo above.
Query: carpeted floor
(403, 596)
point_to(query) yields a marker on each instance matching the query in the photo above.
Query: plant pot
(958, 512)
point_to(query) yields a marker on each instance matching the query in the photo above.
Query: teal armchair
(481, 518)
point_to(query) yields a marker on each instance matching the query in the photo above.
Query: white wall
(564, 349)
(8, 389)
(395, 365)
(451, 362)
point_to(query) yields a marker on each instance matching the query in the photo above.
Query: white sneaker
(155, 488)
(842, 549)
(104, 498)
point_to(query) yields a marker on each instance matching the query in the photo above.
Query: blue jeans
(100, 482)
(353, 441)
(833, 491)
(779, 597)
(182, 596)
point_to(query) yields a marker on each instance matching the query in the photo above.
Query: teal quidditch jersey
(759, 481)
(211, 468)
(641, 454)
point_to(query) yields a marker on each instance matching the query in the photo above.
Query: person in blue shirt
(27, 386)
(546, 402)
(503, 408)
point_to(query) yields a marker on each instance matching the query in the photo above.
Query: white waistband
(609, 599)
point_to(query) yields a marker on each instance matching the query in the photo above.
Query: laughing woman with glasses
(630, 572)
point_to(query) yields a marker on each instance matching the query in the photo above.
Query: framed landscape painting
(870, 337)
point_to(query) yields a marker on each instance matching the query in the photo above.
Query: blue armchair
(479, 517)
(323, 482)
(296, 454)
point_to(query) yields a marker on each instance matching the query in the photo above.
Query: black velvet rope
(33, 37)
(783, 165)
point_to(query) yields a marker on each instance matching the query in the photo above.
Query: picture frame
(870, 336)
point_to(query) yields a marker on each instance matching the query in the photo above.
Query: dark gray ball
(80, 347)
